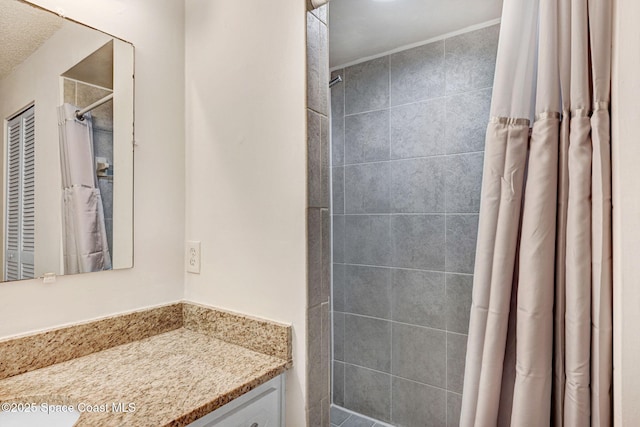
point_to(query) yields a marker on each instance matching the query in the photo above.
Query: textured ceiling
(23, 29)
(363, 28)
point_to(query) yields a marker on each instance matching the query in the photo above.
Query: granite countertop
(172, 379)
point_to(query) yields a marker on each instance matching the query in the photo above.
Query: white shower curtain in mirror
(85, 247)
(539, 351)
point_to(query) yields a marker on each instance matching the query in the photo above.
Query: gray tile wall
(318, 222)
(407, 140)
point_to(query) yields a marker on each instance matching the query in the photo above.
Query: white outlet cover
(192, 256)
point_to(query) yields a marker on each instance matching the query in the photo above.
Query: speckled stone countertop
(172, 379)
(168, 366)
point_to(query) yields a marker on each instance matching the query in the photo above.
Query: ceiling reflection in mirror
(66, 101)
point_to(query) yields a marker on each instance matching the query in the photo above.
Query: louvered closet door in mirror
(19, 240)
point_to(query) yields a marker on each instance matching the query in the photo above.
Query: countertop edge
(220, 401)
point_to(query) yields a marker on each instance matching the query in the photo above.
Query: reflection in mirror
(66, 99)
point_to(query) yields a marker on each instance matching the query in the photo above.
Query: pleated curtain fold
(85, 246)
(539, 351)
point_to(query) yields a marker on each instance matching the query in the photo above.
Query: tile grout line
(331, 247)
(390, 231)
(344, 209)
(398, 377)
(446, 325)
(340, 381)
(403, 323)
(403, 268)
(359, 416)
(344, 369)
(446, 320)
(409, 213)
(421, 101)
(404, 159)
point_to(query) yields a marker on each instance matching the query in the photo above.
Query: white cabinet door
(261, 407)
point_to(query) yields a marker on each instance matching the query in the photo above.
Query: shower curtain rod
(80, 113)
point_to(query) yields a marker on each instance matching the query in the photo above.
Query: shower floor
(341, 417)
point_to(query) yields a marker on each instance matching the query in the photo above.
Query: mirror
(66, 171)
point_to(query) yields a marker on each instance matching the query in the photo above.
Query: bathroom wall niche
(66, 171)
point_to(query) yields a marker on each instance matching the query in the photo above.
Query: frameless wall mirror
(66, 175)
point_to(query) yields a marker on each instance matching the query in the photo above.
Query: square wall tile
(337, 141)
(326, 256)
(456, 357)
(368, 291)
(325, 351)
(338, 286)
(337, 396)
(417, 130)
(326, 411)
(367, 342)
(417, 185)
(367, 188)
(418, 241)
(367, 392)
(366, 137)
(454, 406)
(459, 291)
(418, 297)
(324, 69)
(314, 414)
(337, 93)
(463, 182)
(324, 162)
(467, 119)
(462, 232)
(317, 64)
(367, 86)
(314, 257)
(419, 354)
(417, 404)
(471, 59)
(103, 143)
(337, 122)
(313, 63)
(315, 380)
(314, 160)
(368, 239)
(417, 74)
(338, 335)
(337, 223)
(337, 187)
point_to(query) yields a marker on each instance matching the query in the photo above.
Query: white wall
(626, 212)
(246, 164)
(156, 28)
(37, 79)
(246, 159)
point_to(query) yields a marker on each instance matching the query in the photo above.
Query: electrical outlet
(193, 256)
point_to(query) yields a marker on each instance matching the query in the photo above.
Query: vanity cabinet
(261, 407)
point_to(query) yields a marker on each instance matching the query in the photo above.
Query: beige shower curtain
(540, 338)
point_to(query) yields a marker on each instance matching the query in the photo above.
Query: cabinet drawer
(261, 407)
